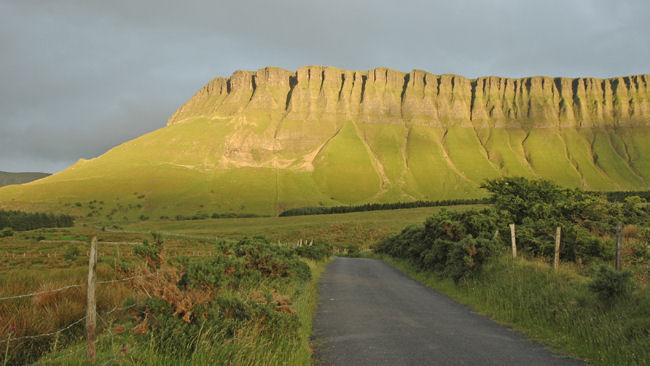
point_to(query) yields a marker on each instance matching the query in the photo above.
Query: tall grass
(554, 307)
(49, 312)
(249, 346)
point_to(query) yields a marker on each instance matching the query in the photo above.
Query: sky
(80, 77)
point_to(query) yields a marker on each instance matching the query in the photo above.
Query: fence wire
(39, 293)
(73, 286)
(69, 326)
(44, 334)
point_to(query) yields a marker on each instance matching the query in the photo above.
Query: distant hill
(269, 140)
(7, 178)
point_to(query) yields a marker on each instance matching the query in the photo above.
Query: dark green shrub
(317, 251)
(467, 256)
(6, 232)
(150, 252)
(71, 253)
(453, 244)
(609, 284)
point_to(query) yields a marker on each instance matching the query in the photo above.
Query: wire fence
(91, 273)
(44, 292)
(77, 321)
(44, 334)
(76, 350)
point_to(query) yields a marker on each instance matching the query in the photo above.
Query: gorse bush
(453, 244)
(150, 252)
(71, 253)
(317, 251)
(191, 301)
(6, 232)
(610, 285)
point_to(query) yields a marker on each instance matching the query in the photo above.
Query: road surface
(370, 313)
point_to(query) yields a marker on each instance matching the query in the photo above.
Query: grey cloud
(79, 77)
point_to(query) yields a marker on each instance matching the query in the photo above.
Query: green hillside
(262, 142)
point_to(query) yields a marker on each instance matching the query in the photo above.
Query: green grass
(610, 160)
(638, 148)
(579, 149)
(554, 307)
(432, 173)
(548, 157)
(261, 162)
(506, 153)
(356, 228)
(467, 154)
(344, 169)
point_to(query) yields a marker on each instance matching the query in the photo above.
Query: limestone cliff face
(328, 94)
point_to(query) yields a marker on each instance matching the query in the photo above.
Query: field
(46, 259)
(357, 229)
(265, 327)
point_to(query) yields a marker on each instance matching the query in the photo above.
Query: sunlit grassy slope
(188, 169)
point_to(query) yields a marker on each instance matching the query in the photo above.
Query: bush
(467, 256)
(6, 232)
(317, 251)
(235, 290)
(610, 285)
(452, 244)
(150, 251)
(71, 253)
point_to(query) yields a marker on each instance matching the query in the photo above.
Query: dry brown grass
(163, 284)
(49, 312)
(630, 231)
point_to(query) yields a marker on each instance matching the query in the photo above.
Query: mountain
(267, 140)
(7, 178)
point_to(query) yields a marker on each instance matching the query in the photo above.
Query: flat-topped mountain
(267, 140)
(421, 98)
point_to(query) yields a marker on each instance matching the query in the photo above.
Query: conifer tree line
(617, 196)
(21, 221)
(620, 196)
(380, 206)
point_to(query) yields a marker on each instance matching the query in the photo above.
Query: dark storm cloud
(79, 77)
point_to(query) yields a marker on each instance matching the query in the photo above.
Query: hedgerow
(455, 244)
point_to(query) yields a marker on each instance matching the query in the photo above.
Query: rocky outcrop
(317, 93)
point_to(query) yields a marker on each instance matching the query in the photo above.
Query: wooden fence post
(514, 240)
(91, 306)
(619, 242)
(556, 259)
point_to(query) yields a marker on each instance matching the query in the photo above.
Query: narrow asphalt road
(370, 313)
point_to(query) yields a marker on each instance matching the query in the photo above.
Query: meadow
(247, 320)
(50, 258)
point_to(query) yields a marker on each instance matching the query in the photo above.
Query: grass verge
(553, 307)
